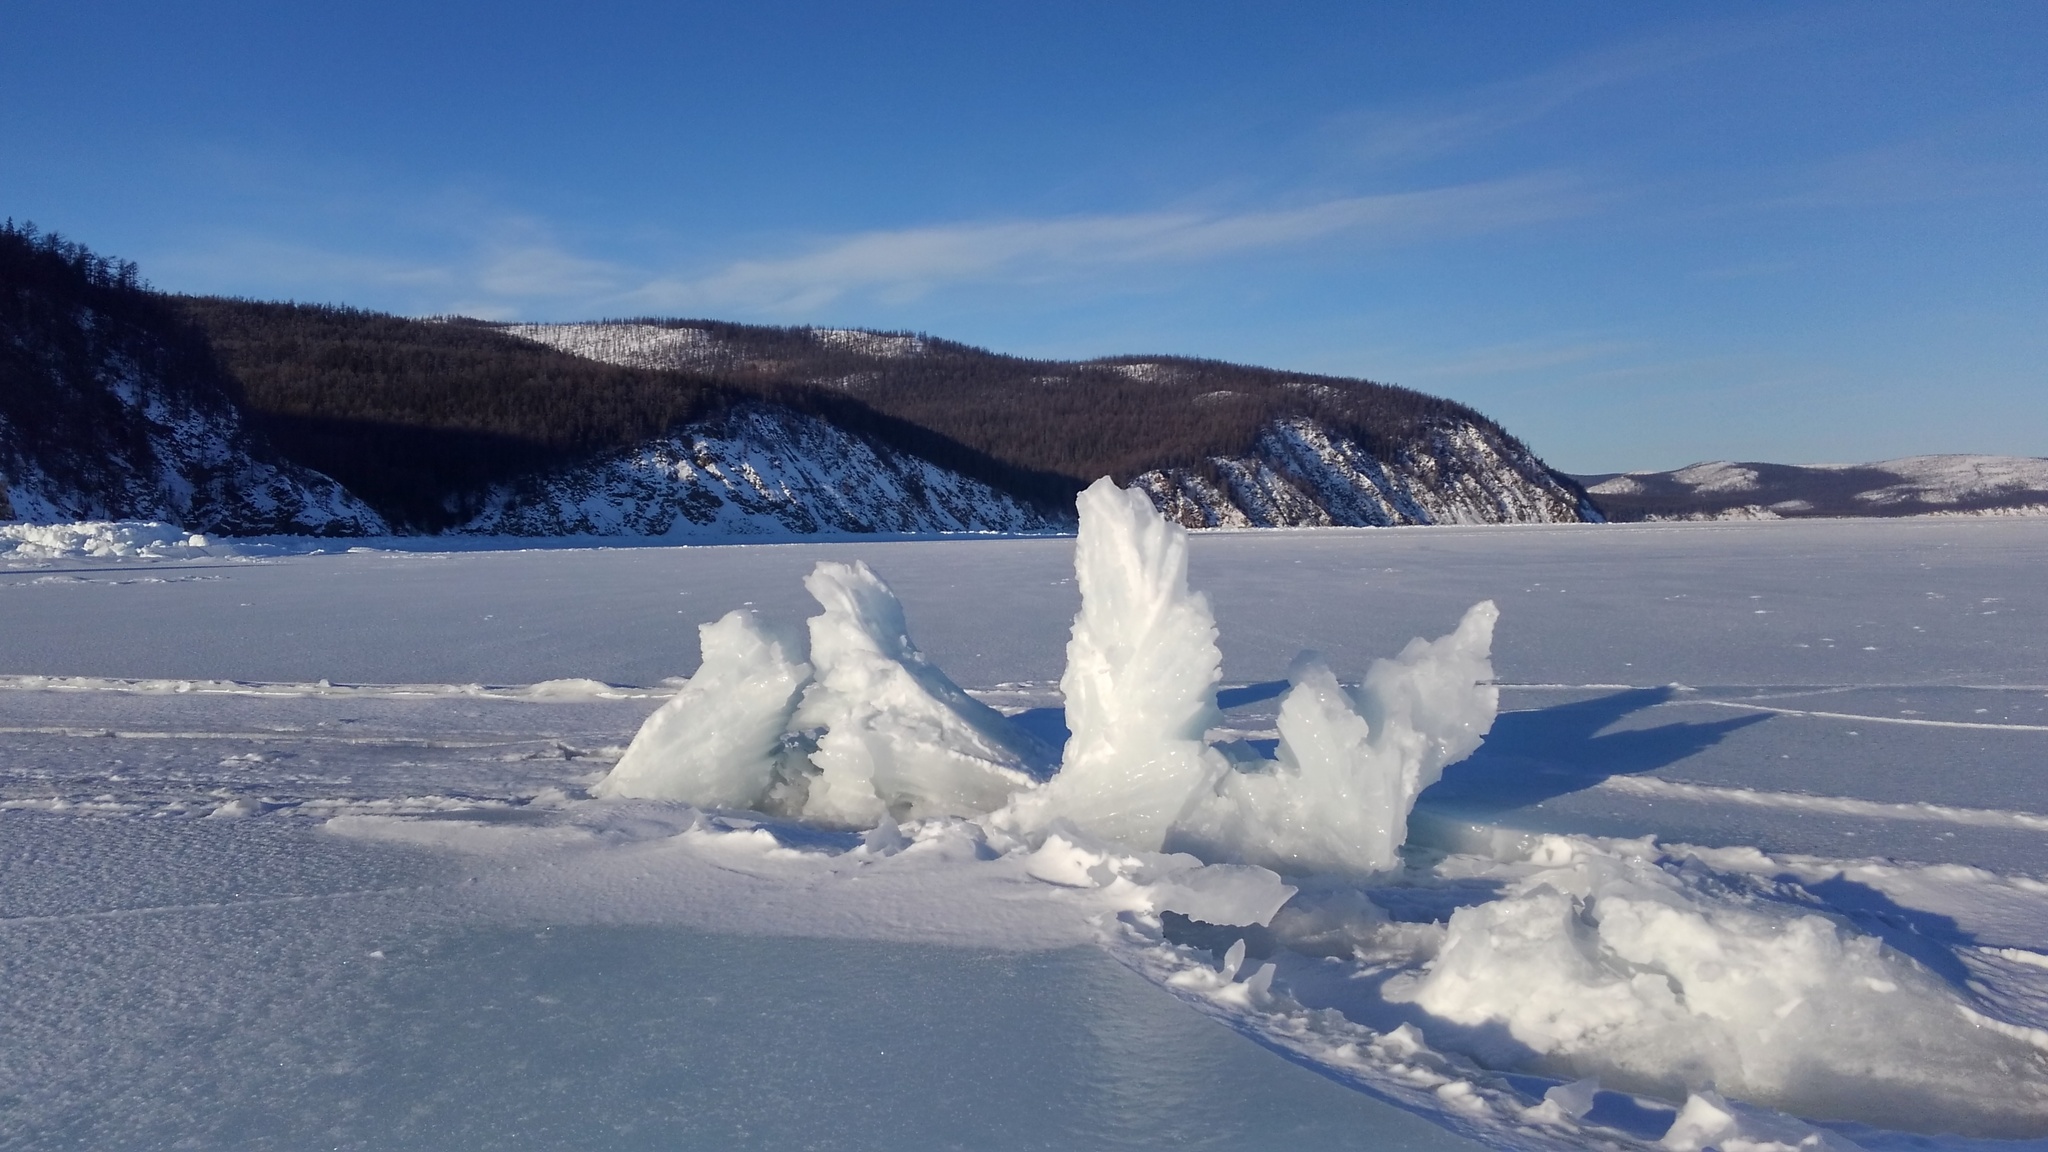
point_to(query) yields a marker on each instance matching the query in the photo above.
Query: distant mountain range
(1913, 486)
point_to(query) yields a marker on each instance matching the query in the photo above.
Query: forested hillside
(424, 418)
(1078, 420)
(239, 415)
(113, 405)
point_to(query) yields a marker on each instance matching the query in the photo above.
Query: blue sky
(1639, 235)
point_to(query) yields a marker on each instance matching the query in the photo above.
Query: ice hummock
(1596, 960)
(1351, 766)
(898, 739)
(1606, 962)
(719, 741)
(890, 737)
(1140, 682)
(867, 730)
(1140, 685)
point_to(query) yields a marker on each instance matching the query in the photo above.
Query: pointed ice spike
(1233, 960)
(1140, 683)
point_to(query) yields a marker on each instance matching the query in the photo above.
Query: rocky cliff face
(759, 471)
(1300, 474)
(112, 408)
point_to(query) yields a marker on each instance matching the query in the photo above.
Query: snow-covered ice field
(296, 851)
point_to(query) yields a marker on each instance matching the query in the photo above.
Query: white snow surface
(1697, 888)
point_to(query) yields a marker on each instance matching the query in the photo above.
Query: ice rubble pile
(107, 540)
(863, 728)
(1663, 979)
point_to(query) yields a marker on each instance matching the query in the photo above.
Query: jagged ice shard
(1140, 684)
(868, 729)
(899, 739)
(719, 741)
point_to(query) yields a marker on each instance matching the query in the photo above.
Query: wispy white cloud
(1479, 115)
(508, 265)
(907, 262)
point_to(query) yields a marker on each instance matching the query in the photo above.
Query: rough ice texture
(1140, 683)
(1605, 964)
(1140, 688)
(1350, 768)
(108, 540)
(1300, 473)
(899, 740)
(758, 471)
(719, 741)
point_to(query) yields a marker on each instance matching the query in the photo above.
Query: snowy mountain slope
(758, 471)
(686, 348)
(631, 345)
(1447, 465)
(113, 409)
(1911, 486)
(1302, 474)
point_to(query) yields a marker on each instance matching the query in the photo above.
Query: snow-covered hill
(1912, 486)
(169, 457)
(113, 409)
(1301, 474)
(759, 471)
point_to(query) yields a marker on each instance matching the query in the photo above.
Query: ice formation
(1140, 686)
(1668, 981)
(899, 739)
(1599, 959)
(108, 540)
(1350, 768)
(719, 741)
(1140, 683)
(869, 730)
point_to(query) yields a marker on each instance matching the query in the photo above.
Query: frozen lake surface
(294, 849)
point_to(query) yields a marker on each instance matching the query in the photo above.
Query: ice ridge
(870, 730)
